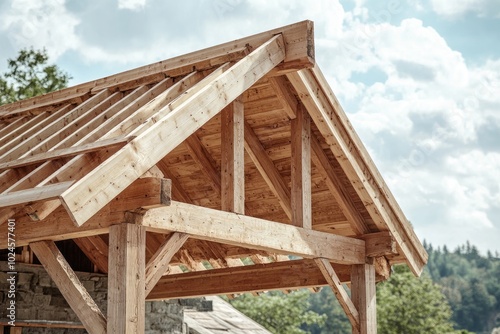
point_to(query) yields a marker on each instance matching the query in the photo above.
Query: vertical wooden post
(363, 295)
(126, 280)
(301, 169)
(16, 330)
(232, 160)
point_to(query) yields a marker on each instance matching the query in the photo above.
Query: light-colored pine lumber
(267, 169)
(301, 169)
(66, 152)
(331, 121)
(137, 156)
(337, 188)
(126, 280)
(206, 163)
(233, 157)
(252, 278)
(158, 264)
(290, 103)
(239, 230)
(35, 194)
(70, 286)
(18, 139)
(364, 297)
(334, 282)
(59, 226)
(53, 124)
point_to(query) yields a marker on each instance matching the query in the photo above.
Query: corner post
(363, 294)
(126, 279)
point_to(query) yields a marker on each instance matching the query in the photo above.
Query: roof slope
(223, 319)
(82, 154)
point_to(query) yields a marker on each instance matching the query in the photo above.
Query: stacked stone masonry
(38, 299)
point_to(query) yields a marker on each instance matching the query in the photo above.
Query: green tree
(411, 305)
(325, 302)
(279, 313)
(30, 75)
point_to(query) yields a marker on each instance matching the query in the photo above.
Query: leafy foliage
(29, 75)
(407, 304)
(279, 313)
(471, 283)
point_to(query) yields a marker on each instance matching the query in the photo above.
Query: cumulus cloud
(457, 8)
(131, 4)
(40, 24)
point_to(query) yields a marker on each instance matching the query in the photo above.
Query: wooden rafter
(337, 188)
(267, 169)
(331, 121)
(70, 286)
(298, 43)
(168, 132)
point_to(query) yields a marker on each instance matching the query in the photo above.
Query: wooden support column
(363, 295)
(70, 286)
(126, 279)
(233, 154)
(301, 169)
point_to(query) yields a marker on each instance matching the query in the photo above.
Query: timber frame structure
(202, 175)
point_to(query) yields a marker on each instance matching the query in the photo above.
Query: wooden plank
(138, 156)
(54, 124)
(364, 297)
(252, 278)
(267, 169)
(19, 137)
(334, 282)
(284, 94)
(66, 152)
(126, 283)
(35, 194)
(55, 138)
(301, 169)
(96, 250)
(59, 226)
(298, 42)
(233, 157)
(158, 264)
(331, 121)
(16, 330)
(70, 286)
(201, 156)
(239, 230)
(337, 188)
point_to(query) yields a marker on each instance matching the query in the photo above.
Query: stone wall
(38, 298)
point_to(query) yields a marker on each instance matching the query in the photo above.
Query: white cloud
(40, 24)
(131, 4)
(457, 8)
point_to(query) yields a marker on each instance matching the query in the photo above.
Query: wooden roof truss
(201, 175)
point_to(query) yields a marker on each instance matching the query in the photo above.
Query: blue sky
(420, 81)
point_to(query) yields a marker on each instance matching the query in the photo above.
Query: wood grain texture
(70, 286)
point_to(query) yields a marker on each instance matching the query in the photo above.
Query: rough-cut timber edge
(299, 48)
(92, 192)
